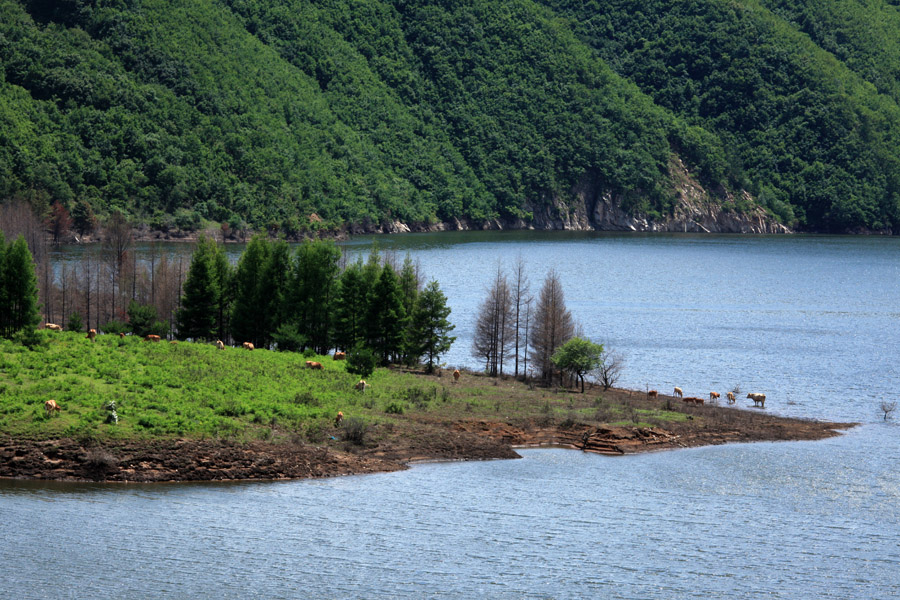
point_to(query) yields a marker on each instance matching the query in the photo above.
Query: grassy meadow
(193, 390)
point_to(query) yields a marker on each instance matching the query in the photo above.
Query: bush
(289, 339)
(355, 430)
(115, 327)
(361, 361)
(394, 408)
(75, 323)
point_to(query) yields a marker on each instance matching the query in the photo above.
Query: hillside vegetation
(366, 112)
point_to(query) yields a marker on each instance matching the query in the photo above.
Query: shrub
(361, 361)
(289, 339)
(75, 323)
(394, 408)
(115, 327)
(355, 430)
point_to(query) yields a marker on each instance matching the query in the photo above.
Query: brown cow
(152, 338)
(456, 376)
(52, 327)
(693, 399)
(340, 356)
(247, 345)
(339, 419)
(220, 344)
(713, 396)
(50, 406)
(121, 335)
(314, 365)
(173, 342)
(92, 335)
(361, 385)
(731, 399)
(758, 399)
(652, 394)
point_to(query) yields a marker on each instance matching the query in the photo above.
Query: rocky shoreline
(163, 460)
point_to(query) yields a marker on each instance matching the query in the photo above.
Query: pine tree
(430, 327)
(19, 289)
(273, 290)
(198, 315)
(351, 308)
(314, 290)
(386, 320)
(248, 324)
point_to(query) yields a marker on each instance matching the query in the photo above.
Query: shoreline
(184, 460)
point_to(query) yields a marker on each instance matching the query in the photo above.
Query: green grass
(196, 391)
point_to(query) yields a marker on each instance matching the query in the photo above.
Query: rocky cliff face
(596, 208)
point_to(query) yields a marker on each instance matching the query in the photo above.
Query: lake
(812, 321)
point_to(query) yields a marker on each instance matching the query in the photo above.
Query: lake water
(814, 322)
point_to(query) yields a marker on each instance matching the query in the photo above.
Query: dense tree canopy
(293, 115)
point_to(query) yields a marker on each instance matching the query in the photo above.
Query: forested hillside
(296, 114)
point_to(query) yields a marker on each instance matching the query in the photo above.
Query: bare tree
(611, 366)
(118, 239)
(553, 325)
(493, 331)
(521, 300)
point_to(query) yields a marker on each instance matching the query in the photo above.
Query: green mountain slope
(370, 111)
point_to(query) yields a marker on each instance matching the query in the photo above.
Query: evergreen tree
(430, 327)
(351, 307)
(314, 292)
(224, 280)
(386, 320)
(198, 315)
(248, 324)
(19, 303)
(273, 290)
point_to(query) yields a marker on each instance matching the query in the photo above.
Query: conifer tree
(386, 320)
(18, 291)
(351, 307)
(553, 325)
(430, 328)
(248, 324)
(198, 316)
(273, 289)
(314, 290)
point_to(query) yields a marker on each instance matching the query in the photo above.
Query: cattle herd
(758, 399)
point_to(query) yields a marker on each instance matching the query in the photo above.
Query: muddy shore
(389, 448)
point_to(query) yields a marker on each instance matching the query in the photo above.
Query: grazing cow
(678, 392)
(361, 386)
(713, 396)
(314, 365)
(339, 419)
(456, 376)
(731, 399)
(152, 338)
(340, 356)
(652, 394)
(52, 327)
(173, 342)
(50, 406)
(758, 399)
(220, 344)
(247, 345)
(693, 399)
(92, 335)
(121, 335)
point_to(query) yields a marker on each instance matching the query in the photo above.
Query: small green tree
(143, 322)
(387, 317)
(75, 323)
(578, 356)
(361, 361)
(19, 308)
(430, 327)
